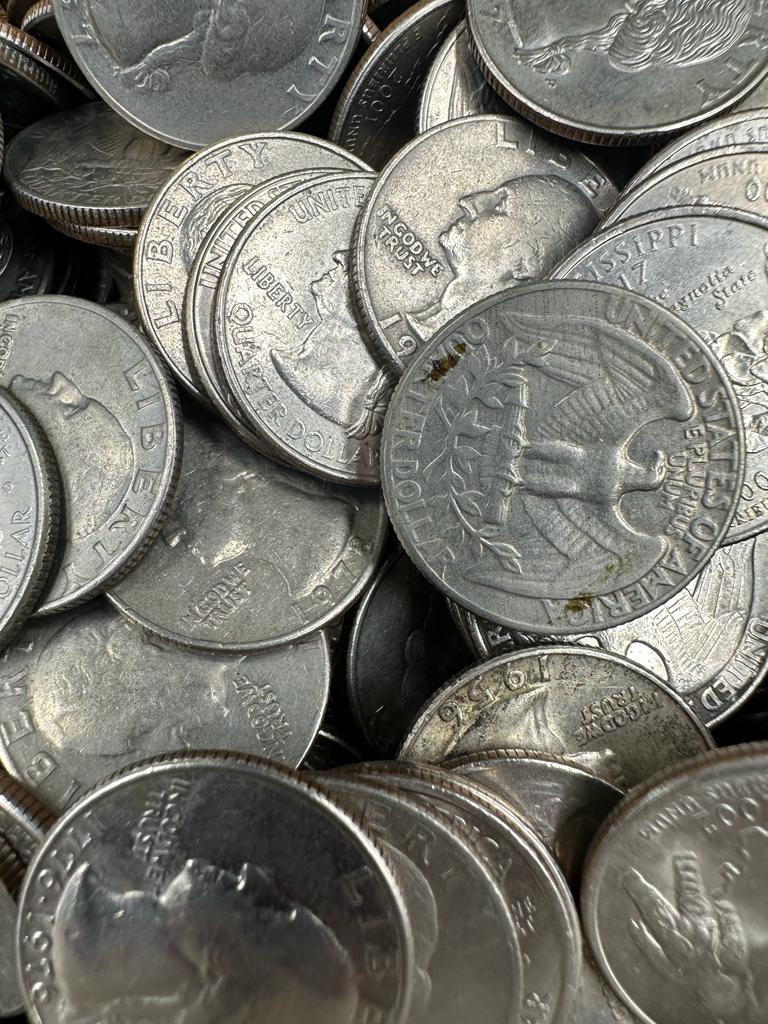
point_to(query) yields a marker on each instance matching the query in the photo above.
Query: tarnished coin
(468, 965)
(88, 166)
(565, 803)
(376, 113)
(430, 242)
(29, 514)
(617, 73)
(116, 238)
(528, 451)
(204, 858)
(290, 346)
(253, 555)
(184, 211)
(24, 821)
(673, 899)
(192, 73)
(455, 86)
(11, 1002)
(620, 721)
(402, 647)
(96, 694)
(102, 397)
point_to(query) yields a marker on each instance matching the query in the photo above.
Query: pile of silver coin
(384, 511)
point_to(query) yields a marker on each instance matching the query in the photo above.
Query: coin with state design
(608, 713)
(526, 453)
(464, 210)
(220, 578)
(618, 74)
(468, 965)
(194, 73)
(98, 695)
(87, 166)
(213, 856)
(710, 267)
(289, 343)
(564, 802)
(110, 413)
(376, 114)
(24, 821)
(673, 900)
(187, 207)
(548, 931)
(29, 514)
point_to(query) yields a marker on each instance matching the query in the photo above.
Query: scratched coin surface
(673, 897)
(290, 345)
(620, 73)
(187, 207)
(29, 514)
(619, 720)
(175, 862)
(87, 165)
(110, 413)
(465, 210)
(192, 72)
(253, 555)
(526, 453)
(98, 695)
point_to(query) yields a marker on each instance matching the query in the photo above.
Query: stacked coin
(274, 278)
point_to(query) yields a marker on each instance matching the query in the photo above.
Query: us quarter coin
(24, 821)
(428, 243)
(621, 721)
(614, 73)
(196, 72)
(188, 206)
(220, 578)
(87, 166)
(466, 964)
(290, 346)
(175, 862)
(29, 514)
(98, 695)
(579, 399)
(111, 415)
(115, 238)
(673, 892)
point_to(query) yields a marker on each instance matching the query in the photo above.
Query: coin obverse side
(100, 695)
(183, 212)
(463, 211)
(616, 718)
(110, 413)
(290, 345)
(192, 73)
(304, 916)
(673, 895)
(526, 452)
(612, 73)
(220, 578)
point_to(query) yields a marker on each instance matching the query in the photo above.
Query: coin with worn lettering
(401, 648)
(196, 72)
(613, 73)
(29, 514)
(548, 931)
(465, 210)
(565, 803)
(468, 965)
(188, 206)
(527, 452)
(24, 821)
(110, 413)
(11, 1002)
(98, 694)
(376, 114)
(673, 900)
(253, 555)
(621, 720)
(289, 343)
(205, 858)
(88, 166)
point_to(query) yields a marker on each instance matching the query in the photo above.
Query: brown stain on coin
(580, 603)
(440, 367)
